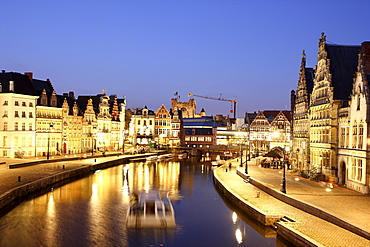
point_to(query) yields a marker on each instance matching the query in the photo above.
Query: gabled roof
(309, 74)
(22, 83)
(343, 65)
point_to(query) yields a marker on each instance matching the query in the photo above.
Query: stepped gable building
(162, 126)
(336, 67)
(103, 122)
(353, 147)
(300, 133)
(18, 99)
(48, 118)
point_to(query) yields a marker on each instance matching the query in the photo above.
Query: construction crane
(219, 98)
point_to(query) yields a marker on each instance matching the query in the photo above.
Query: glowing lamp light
(234, 217)
(238, 236)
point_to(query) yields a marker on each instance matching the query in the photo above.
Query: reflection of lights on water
(235, 217)
(238, 236)
(202, 168)
(95, 192)
(125, 189)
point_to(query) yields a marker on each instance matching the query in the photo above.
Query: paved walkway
(346, 204)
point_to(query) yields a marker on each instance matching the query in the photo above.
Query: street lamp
(283, 186)
(48, 153)
(247, 155)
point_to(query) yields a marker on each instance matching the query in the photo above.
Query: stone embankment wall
(307, 207)
(249, 209)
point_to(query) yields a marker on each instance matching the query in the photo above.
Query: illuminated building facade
(141, 129)
(162, 126)
(18, 100)
(353, 147)
(332, 87)
(199, 132)
(300, 138)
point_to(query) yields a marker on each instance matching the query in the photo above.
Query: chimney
(365, 50)
(11, 86)
(30, 75)
(72, 95)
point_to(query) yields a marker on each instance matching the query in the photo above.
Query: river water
(92, 211)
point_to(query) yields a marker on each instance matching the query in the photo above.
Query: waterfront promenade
(345, 204)
(352, 207)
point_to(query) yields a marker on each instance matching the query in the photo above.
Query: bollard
(19, 178)
(258, 194)
(95, 160)
(63, 167)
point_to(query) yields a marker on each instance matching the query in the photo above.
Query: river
(92, 211)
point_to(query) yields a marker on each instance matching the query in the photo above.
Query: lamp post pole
(247, 154)
(48, 153)
(283, 186)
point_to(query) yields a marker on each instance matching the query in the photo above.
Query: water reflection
(92, 211)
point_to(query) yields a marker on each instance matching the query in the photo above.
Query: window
(30, 104)
(16, 126)
(23, 114)
(359, 169)
(5, 113)
(5, 102)
(360, 136)
(23, 126)
(23, 103)
(30, 115)
(16, 114)
(16, 141)
(16, 103)
(5, 126)
(138, 122)
(30, 126)
(5, 141)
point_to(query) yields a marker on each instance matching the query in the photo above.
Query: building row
(35, 121)
(331, 112)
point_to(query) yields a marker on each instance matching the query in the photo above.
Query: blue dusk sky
(149, 50)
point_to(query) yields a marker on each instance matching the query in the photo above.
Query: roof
(200, 122)
(309, 74)
(22, 83)
(343, 65)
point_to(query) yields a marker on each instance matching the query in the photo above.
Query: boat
(165, 156)
(218, 162)
(152, 209)
(152, 158)
(182, 156)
